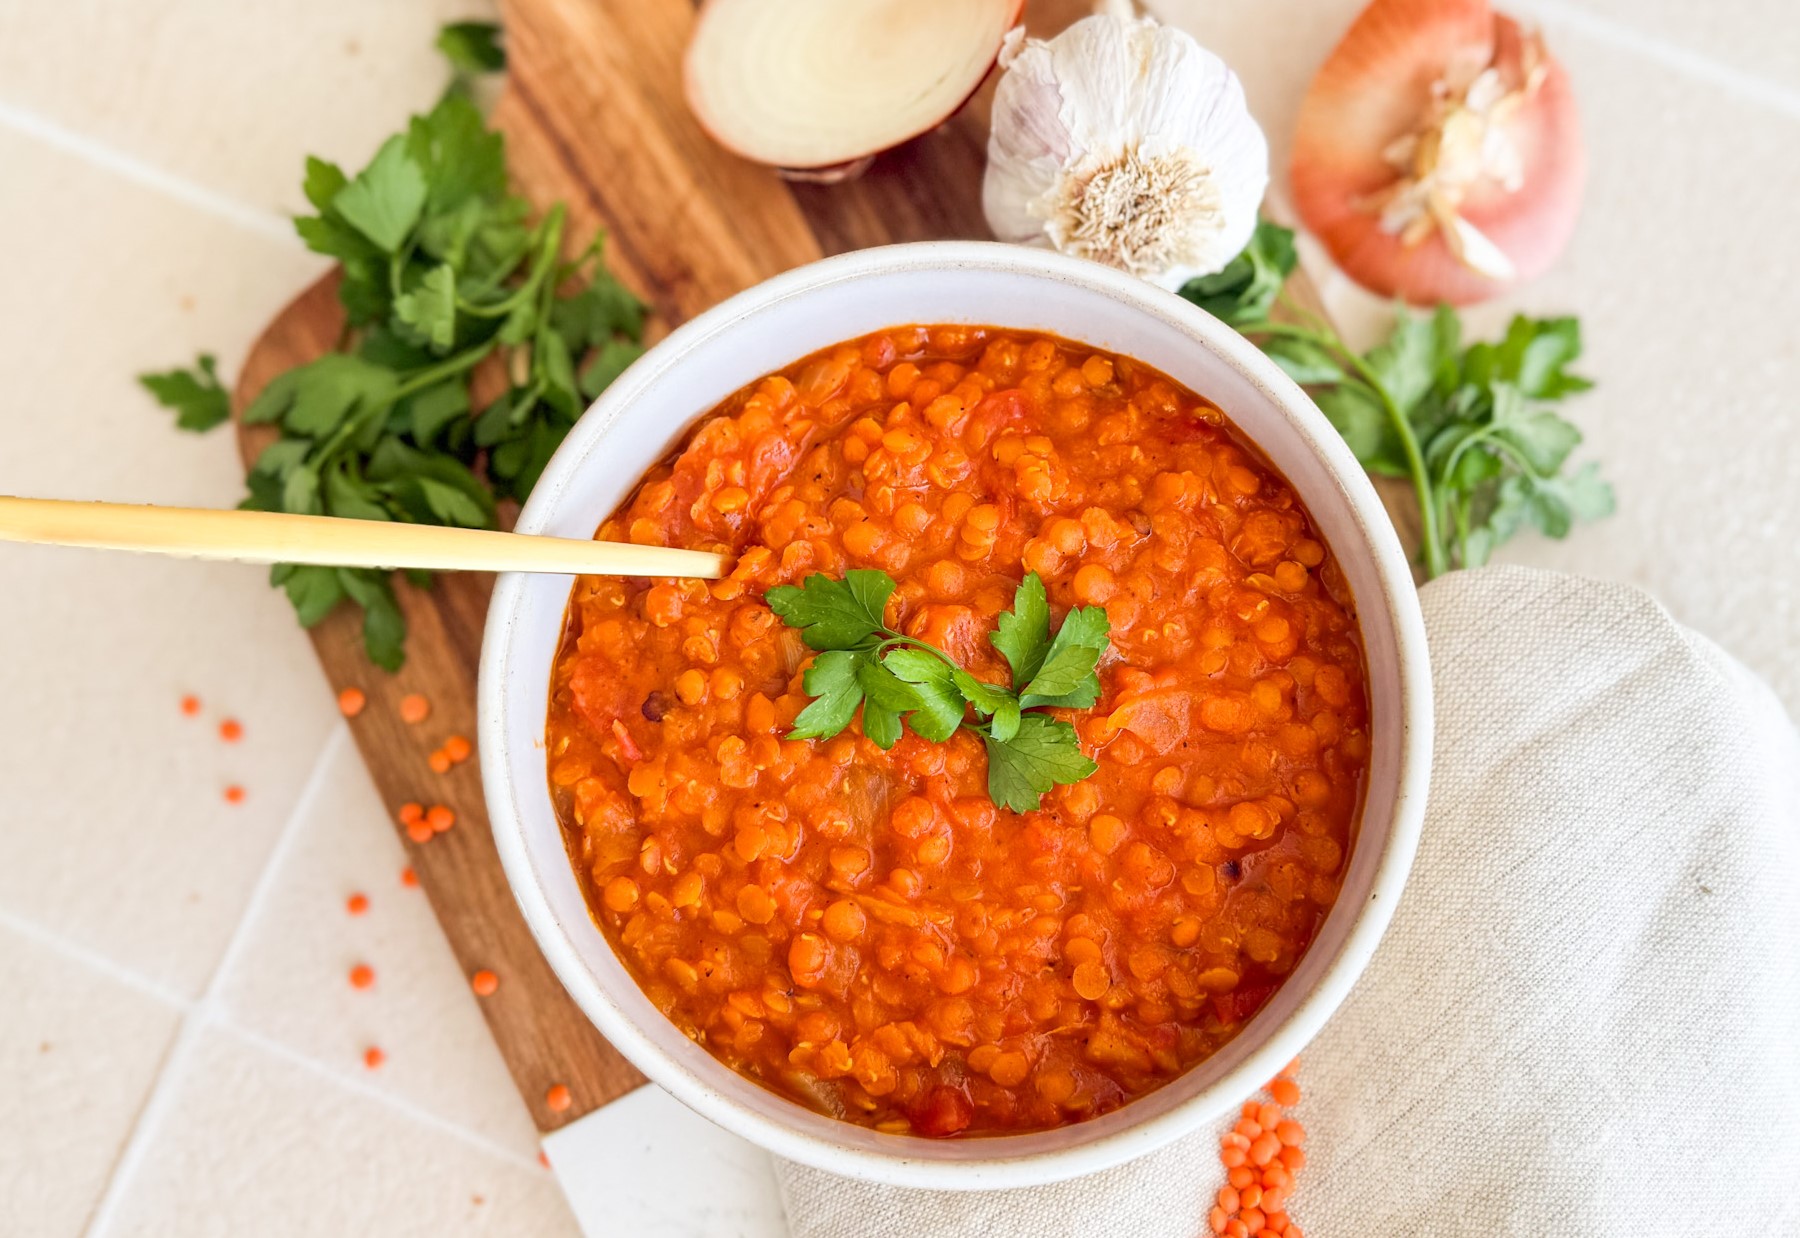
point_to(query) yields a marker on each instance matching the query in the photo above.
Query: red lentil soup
(863, 931)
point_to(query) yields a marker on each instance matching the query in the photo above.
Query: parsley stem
(449, 367)
(899, 638)
(549, 240)
(430, 376)
(1436, 562)
(1459, 511)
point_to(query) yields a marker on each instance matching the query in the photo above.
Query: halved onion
(822, 86)
(1438, 155)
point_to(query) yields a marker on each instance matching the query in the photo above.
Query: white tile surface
(78, 1053)
(630, 1169)
(116, 830)
(227, 94)
(249, 1143)
(150, 151)
(288, 980)
(1752, 38)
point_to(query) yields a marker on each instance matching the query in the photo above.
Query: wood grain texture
(594, 116)
(543, 1036)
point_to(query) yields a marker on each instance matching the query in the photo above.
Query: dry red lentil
(458, 748)
(558, 1098)
(439, 818)
(352, 701)
(373, 1057)
(231, 730)
(439, 762)
(234, 794)
(362, 976)
(190, 705)
(414, 708)
(356, 904)
(409, 878)
(864, 931)
(484, 982)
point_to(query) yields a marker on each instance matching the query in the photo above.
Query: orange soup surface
(864, 931)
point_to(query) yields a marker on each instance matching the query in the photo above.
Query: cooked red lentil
(864, 931)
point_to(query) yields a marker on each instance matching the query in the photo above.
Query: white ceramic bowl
(642, 416)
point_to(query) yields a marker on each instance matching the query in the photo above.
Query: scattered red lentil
(439, 818)
(231, 730)
(373, 1057)
(234, 794)
(409, 879)
(543, 1159)
(414, 708)
(362, 976)
(411, 812)
(190, 705)
(356, 904)
(351, 702)
(439, 762)
(484, 982)
(558, 1098)
(419, 831)
(458, 748)
(1261, 1154)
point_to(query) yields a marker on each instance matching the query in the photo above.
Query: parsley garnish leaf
(885, 699)
(898, 679)
(941, 706)
(1245, 290)
(200, 401)
(472, 47)
(1067, 677)
(384, 200)
(1023, 634)
(1043, 753)
(835, 614)
(832, 682)
(430, 308)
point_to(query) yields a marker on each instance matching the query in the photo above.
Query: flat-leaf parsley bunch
(895, 678)
(1470, 427)
(443, 269)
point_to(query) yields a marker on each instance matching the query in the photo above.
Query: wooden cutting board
(593, 115)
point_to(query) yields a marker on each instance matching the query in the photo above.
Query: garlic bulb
(1127, 142)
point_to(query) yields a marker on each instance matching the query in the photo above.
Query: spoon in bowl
(332, 541)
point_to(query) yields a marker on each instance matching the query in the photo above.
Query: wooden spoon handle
(274, 537)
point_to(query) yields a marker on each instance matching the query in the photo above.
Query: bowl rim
(1398, 599)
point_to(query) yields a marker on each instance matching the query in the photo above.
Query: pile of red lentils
(1261, 1154)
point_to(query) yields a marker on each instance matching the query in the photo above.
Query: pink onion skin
(1375, 88)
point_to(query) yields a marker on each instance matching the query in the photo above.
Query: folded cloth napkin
(1585, 1018)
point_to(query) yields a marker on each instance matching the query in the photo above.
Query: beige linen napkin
(1585, 1018)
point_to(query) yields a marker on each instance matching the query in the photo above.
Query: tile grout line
(1742, 83)
(393, 1101)
(201, 1013)
(92, 959)
(207, 1013)
(265, 222)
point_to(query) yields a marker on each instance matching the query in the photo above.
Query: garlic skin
(1127, 142)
